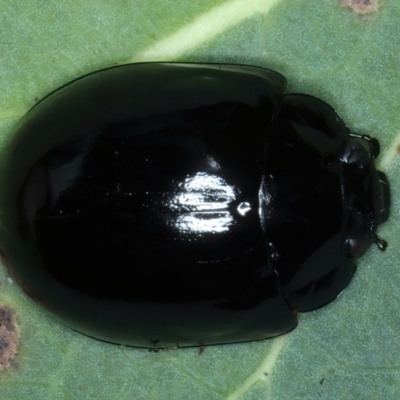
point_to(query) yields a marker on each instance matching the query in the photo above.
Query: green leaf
(347, 350)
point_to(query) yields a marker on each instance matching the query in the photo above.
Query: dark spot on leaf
(7, 318)
(9, 336)
(3, 344)
(398, 149)
(322, 381)
(361, 6)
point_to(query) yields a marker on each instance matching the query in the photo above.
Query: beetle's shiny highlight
(186, 204)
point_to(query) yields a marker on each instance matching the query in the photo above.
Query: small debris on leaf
(9, 336)
(202, 348)
(361, 6)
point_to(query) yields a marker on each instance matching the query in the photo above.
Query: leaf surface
(347, 350)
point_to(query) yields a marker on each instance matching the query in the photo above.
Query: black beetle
(168, 203)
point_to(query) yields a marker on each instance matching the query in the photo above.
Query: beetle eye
(373, 145)
(354, 155)
(359, 233)
(356, 246)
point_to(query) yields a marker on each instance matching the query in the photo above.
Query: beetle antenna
(381, 243)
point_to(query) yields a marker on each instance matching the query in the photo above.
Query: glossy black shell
(185, 204)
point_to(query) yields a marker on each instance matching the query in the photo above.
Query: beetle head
(321, 200)
(366, 194)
